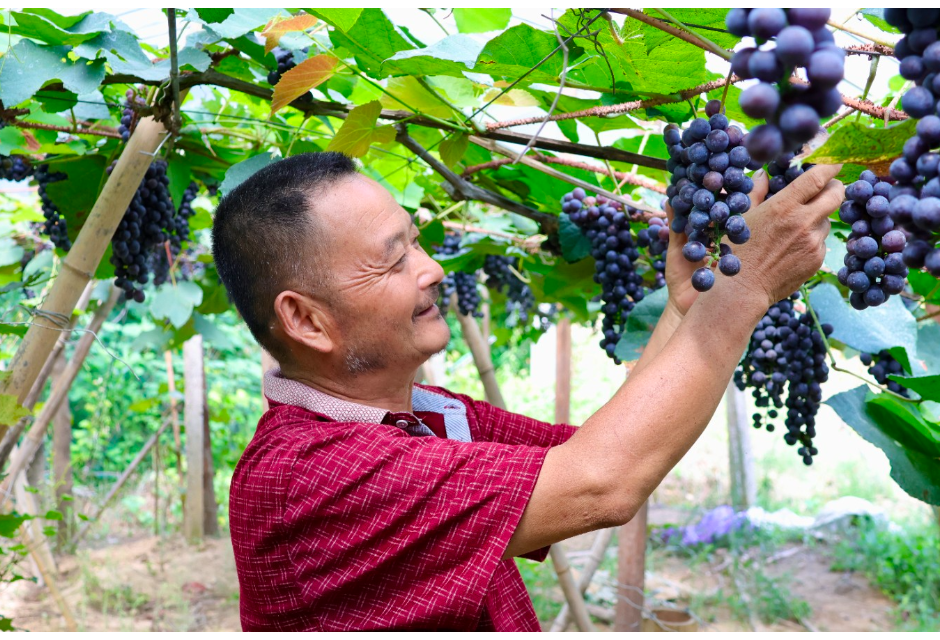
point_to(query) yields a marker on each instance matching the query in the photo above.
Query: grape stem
(832, 357)
(724, 94)
(860, 34)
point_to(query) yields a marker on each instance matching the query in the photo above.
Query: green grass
(904, 565)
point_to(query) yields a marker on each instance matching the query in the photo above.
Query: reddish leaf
(274, 30)
(32, 144)
(301, 79)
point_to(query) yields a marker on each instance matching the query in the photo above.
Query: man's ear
(304, 321)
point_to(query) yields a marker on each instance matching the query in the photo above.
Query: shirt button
(401, 424)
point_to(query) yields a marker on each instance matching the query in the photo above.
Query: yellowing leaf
(453, 148)
(301, 79)
(359, 131)
(11, 410)
(513, 98)
(275, 29)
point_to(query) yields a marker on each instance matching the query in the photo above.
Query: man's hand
(601, 476)
(679, 270)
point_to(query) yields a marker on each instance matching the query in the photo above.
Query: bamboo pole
(78, 267)
(62, 463)
(60, 392)
(570, 588)
(50, 581)
(121, 481)
(740, 458)
(481, 358)
(631, 565)
(596, 557)
(193, 417)
(12, 436)
(563, 371)
(174, 416)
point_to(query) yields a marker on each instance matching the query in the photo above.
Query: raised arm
(602, 475)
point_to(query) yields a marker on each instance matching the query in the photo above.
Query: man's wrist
(672, 312)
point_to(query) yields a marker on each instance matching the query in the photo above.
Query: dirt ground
(163, 584)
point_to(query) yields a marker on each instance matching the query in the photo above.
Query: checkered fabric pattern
(342, 525)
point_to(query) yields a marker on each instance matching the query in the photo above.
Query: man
(365, 501)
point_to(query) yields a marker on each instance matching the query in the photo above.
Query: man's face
(383, 285)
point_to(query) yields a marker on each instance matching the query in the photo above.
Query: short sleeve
(418, 524)
(499, 425)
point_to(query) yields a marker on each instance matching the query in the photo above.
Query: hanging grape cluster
(915, 196)
(782, 173)
(607, 226)
(787, 39)
(459, 282)
(880, 366)
(502, 275)
(130, 113)
(55, 226)
(708, 191)
(15, 168)
(874, 262)
(285, 62)
(787, 355)
(655, 238)
(150, 227)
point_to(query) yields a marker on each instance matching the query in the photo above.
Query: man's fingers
(761, 187)
(827, 200)
(811, 183)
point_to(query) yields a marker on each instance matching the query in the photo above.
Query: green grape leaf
(75, 196)
(10, 523)
(213, 15)
(640, 325)
(884, 327)
(342, 19)
(903, 421)
(694, 18)
(877, 18)
(574, 244)
(38, 25)
(11, 139)
(175, 303)
(372, 40)
(480, 20)
(359, 131)
(928, 349)
(453, 148)
(448, 53)
(27, 66)
(212, 333)
(11, 410)
(858, 143)
(10, 252)
(927, 387)
(242, 21)
(925, 285)
(916, 473)
(240, 172)
(835, 253)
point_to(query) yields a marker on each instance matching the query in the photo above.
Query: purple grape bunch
(462, 283)
(782, 172)
(874, 268)
(883, 364)
(708, 191)
(607, 226)
(502, 275)
(786, 40)
(787, 355)
(915, 195)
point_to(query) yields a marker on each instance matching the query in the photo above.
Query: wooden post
(174, 416)
(570, 588)
(82, 260)
(120, 482)
(740, 458)
(194, 418)
(210, 506)
(563, 371)
(62, 463)
(631, 564)
(481, 358)
(60, 393)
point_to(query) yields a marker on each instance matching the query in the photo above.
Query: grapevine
(787, 40)
(708, 191)
(874, 262)
(787, 355)
(501, 275)
(459, 282)
(608, 228)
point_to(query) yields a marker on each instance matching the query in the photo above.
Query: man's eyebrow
(393, 242)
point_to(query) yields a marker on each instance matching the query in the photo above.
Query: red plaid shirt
(376, 523)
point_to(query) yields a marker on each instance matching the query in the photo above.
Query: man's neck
(376, 389)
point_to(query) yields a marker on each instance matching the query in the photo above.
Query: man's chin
(435, 336)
